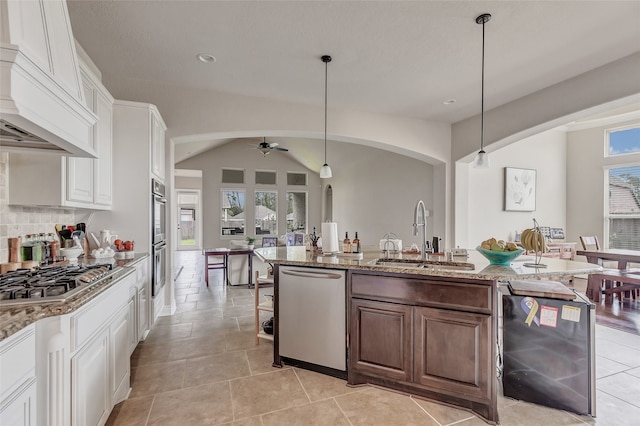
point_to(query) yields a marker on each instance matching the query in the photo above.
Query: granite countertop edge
(298, 256)
(14, 318)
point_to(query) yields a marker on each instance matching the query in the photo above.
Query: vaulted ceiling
(403, 58)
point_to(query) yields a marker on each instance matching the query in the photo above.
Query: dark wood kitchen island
(429, 330)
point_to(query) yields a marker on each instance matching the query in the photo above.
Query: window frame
(306, 212)
(255, 206)
(244, 207)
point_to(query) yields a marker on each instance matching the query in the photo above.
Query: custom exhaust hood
(42, 103)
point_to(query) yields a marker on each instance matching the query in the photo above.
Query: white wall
(546, 153)
(374, 191)
(586, 170)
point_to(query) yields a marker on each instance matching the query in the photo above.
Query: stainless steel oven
(158, 233)
(159, 267)
(158, 212)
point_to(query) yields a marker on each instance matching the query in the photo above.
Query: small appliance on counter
(549, 345)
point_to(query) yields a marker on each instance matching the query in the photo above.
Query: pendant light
(482, 159)
(325, 170)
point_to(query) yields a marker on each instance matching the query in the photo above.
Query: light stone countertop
(299, 256)
(14, 318)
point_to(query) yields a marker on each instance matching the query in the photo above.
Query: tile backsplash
(17, 221)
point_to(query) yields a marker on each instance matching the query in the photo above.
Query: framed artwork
(298, 239)
(269, 241)
(519, 189)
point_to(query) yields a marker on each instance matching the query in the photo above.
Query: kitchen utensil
(65, 234)
(95, 243)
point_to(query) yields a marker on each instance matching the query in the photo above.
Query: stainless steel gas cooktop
(52, 284)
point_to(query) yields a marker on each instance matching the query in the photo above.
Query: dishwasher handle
(312, 274)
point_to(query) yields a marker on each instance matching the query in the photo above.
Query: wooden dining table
(622, 256)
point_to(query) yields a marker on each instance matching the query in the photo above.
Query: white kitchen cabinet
(133, 315)
(18, 392)
(88, 180)
(43, 179)
(119, 355)
(90, 388)
(157, 147)
(40, 77)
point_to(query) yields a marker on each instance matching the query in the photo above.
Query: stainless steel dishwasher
(312, 319)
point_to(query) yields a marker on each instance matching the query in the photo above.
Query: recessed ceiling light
(449, 101)
(206, 58)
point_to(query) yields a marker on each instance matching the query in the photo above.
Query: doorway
(189, 220)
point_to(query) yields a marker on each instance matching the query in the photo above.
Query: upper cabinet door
(157, 147)
(103, 166)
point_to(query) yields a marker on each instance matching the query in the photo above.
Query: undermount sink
(424, 264)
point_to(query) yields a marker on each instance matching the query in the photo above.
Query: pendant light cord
(326, 67)
(482, 102)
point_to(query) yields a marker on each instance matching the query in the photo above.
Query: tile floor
(202, 367)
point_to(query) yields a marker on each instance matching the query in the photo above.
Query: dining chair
(590, 242)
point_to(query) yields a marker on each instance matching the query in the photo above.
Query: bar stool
(223, 264)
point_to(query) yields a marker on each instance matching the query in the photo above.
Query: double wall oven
(158, 232)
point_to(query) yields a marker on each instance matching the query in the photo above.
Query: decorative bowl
(500, 257)
(71, 253)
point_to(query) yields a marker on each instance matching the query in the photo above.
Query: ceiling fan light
(481, 161)
(325, 172)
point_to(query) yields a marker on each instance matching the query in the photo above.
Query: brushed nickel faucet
(418, 211)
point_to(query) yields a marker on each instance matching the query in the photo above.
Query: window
(625, 141)
(297, 212)
(187, 226)
(296, 178)
(265, 177)
(624, 208)
(232, 213)
(232, 176)
(266, 213)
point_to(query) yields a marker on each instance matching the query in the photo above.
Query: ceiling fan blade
(280, 149)
(273, 144)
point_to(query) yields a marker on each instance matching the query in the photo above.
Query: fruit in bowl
(499, 252)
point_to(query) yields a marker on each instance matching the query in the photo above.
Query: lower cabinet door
(120, 367)
(452, 351)
(21, 410)
(143, 312)
(90, 384)
(381, 339)
(133, 329)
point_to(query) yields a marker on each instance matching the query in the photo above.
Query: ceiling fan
(266, 148)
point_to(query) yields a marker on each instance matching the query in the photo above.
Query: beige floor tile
(261, 358)
(237, 311)
(154, 378)
(622, 386)
(320, 386)
(442, 413)
(184, 307)
(196, 347)
(149, 353)
(320, 413)
(131, 412)
(166, 333)
(216, 368)
(526, 414)
(611, 411)
(238, 340)
(243, 301)
(201, 314)
(202, 405)
(373, 407)
(267, 392)
(251, 421)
